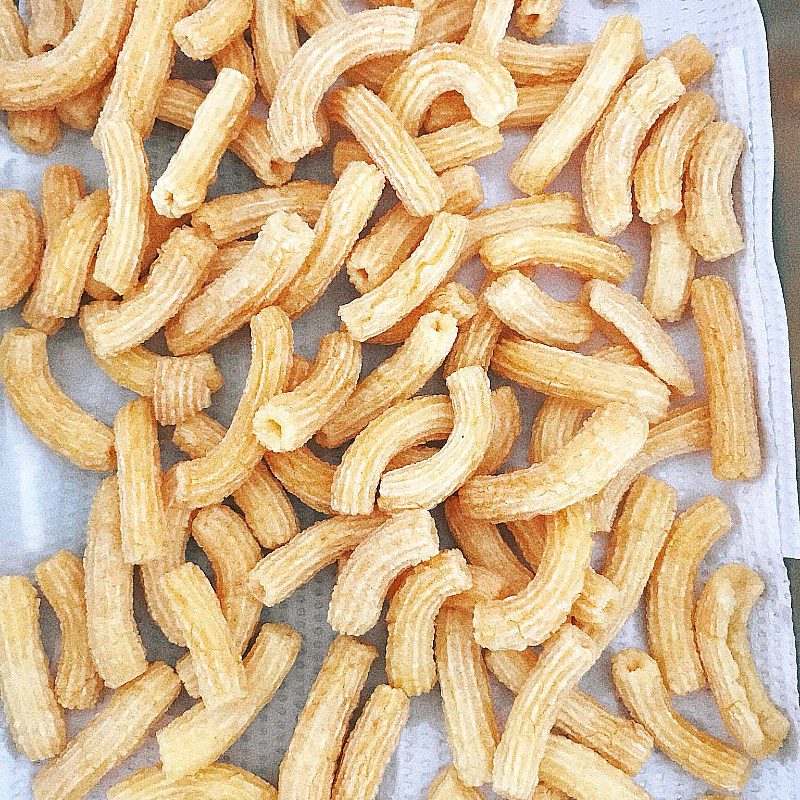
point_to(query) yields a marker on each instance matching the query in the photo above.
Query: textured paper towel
(46, 500)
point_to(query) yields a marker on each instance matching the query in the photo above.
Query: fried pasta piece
(720, 623)
(82, 111)
(330, 51)
(35, 719)
(273, 29)
(112, 735)
(305, 475)
(199, 736)
(447, 785)
(536, 17)
(211, 26)
(671, 595)
(487, 28)
(51, 416)
(534, 64)
(735, 447)
(36, 131)
(308, 768)
(691, 58)
(182, 387)
(22, 253)
(639, 685)
(404, 540)
(61, 581)
(613, 53)
(476, 339)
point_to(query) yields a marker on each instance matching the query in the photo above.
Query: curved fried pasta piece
(412, 615)
(113, 635)
(565, 657)
(304, 475)
(541, 64)
(671, 270)
(211, 26)
(525, 308)
(606, 443)
(692, 59)
(658, 176)
(506, 426)
(427, 483)
(485, 84)
(330, 51)
(711, 225)
(532, 615)
(536, 17)
(61, 188)
(720, 623)
(370, 745)
(82, 59)
(275, 41)
(476, 340)
(616, 48)
(486, 585)
(212, 477)
(585, 255)
(402, 541)
(447, 785)
(639, 685)
(488, 26)
(182, 386)
(394, 380)
(671, 596)
(23, 246)
(285, 569)
(82, 111)
(51, 416)
(607, 167)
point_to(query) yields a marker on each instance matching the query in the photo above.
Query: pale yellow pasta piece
(585, 379)
(539, 64)
(215, 655)
(404, 540)
(607, 442)
(486, 85)
(427, 483)
(216, 780)
(632, 319)
(641, 689)
(219, 119)
(330, 51)
(711, 225)
(394, 380)
(525, 308)
(211, 26)
(533, 614)
(52, 417)
(370, 745)
(178, 104)
(23, 246)
(304, 475)
(113, 734)
(120, 253)
(614, 51)
(671, 595)
(447, 785)
(256, 281)
(391, 147)
(691, 58)
(607, 167)
(50, 21)
(488, 26)
(212, 477)
(61, 188)
(585, 255)
(411, 617)
(199, 736)
(61, 581)
(536, 17)
(35, 720)
(237, 55)
(619, 740)
(476, 339)
(720, 623)
(82, 111)
(735, 447)
(411, 284)
(182, 387)
(670, 271)
(486, 585)
(466, 698)
(35, 131)
(344, 215)
(565, 657)
(658, 177)
(275, 41)
(264, 504)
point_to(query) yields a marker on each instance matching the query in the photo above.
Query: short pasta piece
(476, 339)
(305, 475)
(211, 26)
(22, 253)
(536, 17)
(447, 785)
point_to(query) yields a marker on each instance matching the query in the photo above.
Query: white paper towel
(46, 500)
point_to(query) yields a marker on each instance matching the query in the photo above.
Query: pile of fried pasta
(417, 112)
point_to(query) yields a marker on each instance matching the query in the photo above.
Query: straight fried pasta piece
(671, 270)
(489, 22)
(61, 188)
(466, 698)
(447, 785)
(211, 478)
(720, 622)
(22, 251)
(307, 770)
(275, 41)
(615, 50)
(61, 581)
(641, 689)
(35, 720)
(404, 540)
(51, 416)
(692, 59)
(218, 120)
(735, 447)
(671, 595)
(213, 730)
(211, 26)
(476, 340)
(304, 475)
(112, 735)
(370, 745)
